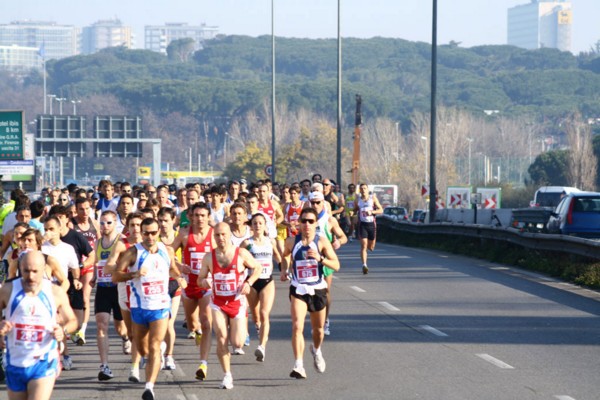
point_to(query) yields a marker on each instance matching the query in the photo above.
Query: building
(19, 58)
(541, 23)
(157, 38)
(104, 34)
(58, 41)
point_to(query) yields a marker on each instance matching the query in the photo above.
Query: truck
(535, 218)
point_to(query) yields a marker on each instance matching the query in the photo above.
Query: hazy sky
(472, 22)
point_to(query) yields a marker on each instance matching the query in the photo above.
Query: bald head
(222, 233)
(32, 266)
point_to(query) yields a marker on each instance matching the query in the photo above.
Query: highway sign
(11, 135)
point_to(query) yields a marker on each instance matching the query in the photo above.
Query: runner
(227, 264)
(349, 214)
(309, 253)
(107, 296)
(32, 330)
(148, 266)
(196, 241)
(240, 230)
(367, 206)
(262, 295)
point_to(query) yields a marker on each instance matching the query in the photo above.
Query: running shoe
(105, 373)
(227, 382)
(238, 351)
(365, 269)
(247, 342)
(170, 363)
(148, 395)
(163, 348)
(260, 354)
(319, 360)
(67, 363)
(191, 335)
(78, 338)
(298, 373)
(326, 329)
(134, 375)
(126, 346)
(198, 337)
(142, 362)
(184, 325)
(202, 372)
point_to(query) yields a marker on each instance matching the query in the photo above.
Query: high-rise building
(541, 23)
(58, 41)
(158, 37)
(106, 33)
(19, 58)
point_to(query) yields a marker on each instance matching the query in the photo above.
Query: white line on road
(192, 397)
(432, 330)
(563, 397)
(357, 289)
(387, 305)
(181, 397)
(494, 361)
(179, 372)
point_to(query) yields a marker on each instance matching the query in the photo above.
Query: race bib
(307, 271)
(267, 269)
(103, 277)
(196, 262)
(154, 288)
(225, 284)
(28, 335)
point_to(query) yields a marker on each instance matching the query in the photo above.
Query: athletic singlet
(91, 235)
(183, 219)
(194, 253)
(151, 291)
(227, 281)
(292, 214)
(218, 215)
(306, 271)
(123, 288)
(269, 210)
(332, 203)
(264, 255)
(350, 199)
(364, 206)
(102, 253)
(323, 227)
(236, 241)
(33, 319)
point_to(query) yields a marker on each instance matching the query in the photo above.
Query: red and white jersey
(151, 291)
(194, 252)
(292, 214)
(33, 319)
(227, 280)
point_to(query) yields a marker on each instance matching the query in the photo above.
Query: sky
(470, 22)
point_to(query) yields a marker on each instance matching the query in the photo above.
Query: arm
(174, 271)
(6, 240)
(276, 253)
(251, 264)
(338, 234)
(206, 268)
(285, 258)
(13, 266)
(328, 256)
(179, 243)
(57, 272)
(111, 262)
(125, 261)
(66, 312)
(278, 214)
(377, 209)
(5, 291)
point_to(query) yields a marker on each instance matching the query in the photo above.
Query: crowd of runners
(144, 250)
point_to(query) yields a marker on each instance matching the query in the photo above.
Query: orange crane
(356, 138)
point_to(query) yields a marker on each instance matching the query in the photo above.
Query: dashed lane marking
(494, 361)
(357, 289)
(564, 397)
(433, 331)
(388, 306)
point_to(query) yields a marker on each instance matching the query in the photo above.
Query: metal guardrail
(535, 241)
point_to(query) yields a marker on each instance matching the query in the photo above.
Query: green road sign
(11, 135)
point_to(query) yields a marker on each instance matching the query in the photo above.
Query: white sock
(228, 374)
(150, 385)
(203, 362)
(83, 328)
(299, 363)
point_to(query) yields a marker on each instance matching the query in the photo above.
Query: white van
(550, 196)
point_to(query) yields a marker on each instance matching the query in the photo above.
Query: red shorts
(193, 291)
(233, 309)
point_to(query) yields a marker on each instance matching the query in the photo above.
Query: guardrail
(535, 241)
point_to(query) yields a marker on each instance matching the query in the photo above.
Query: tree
(550, 169)
(582, 165)
(180, 50)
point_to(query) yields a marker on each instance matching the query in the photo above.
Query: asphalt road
(421, 325)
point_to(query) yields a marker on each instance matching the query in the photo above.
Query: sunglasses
(106, 222)
(315, 202)
(64, 199)
(150, 233)
(152, 192)
(308, 221)
(327, 184)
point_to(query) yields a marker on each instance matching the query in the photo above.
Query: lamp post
(424, 138)
(469, 140)
(225, 150)
(51, 97)
(397, 141)
(60, 103)
(75, 102)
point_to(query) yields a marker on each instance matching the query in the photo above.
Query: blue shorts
(144, 317)
(17, 378)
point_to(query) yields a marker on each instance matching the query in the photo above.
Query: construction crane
(356, 138)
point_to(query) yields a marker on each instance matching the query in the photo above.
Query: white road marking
(387, 305)
(494, 361)
(181, 397)
(563, 397)
(192, 397)
(443, 256)
(357, 289)
(179, 372)
(432, 330)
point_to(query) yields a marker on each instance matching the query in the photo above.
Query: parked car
(395, 213)
(577, 214)
(416, 214)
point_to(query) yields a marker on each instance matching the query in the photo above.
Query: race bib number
(102, 275)
(267, 269)
(196, 262)
(154, 288)
(307, 270)
(28, 335)
(225, 284)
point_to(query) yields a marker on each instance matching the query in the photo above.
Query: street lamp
(190, 159)
(397, 140)
(51, 97)
(424, 138)
(225, 150)
(470, 141)
(60, 103)
(75, 102)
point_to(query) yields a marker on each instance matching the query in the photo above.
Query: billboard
(386, 194)
(20, 170)
(11, 135)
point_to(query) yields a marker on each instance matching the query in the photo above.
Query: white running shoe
(238, 351)
(170, 363)
(105, 373)
(227, 382)
(134, 375)
(319, 360)
(126, 346)
(298, 373)
(326, 328)
(163, 348)
(260, 354)
(67, 363)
